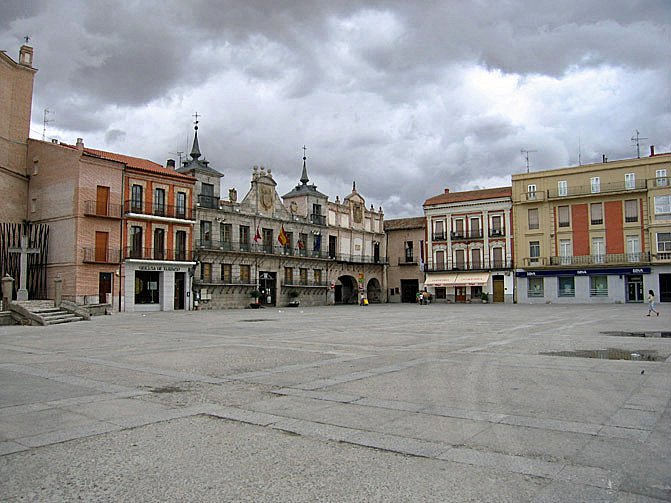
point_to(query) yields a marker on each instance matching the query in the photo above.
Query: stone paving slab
(387, 403)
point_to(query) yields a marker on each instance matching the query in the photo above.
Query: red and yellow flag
(282, 238)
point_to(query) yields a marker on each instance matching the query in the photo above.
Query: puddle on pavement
(166, 389)
(611, 354)
(256, 321)
(663, 335)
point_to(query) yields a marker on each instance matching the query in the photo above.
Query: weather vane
(196, 121)
(27, 38)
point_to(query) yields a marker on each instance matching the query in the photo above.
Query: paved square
(382, 403)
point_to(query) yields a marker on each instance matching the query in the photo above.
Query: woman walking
(651, 303)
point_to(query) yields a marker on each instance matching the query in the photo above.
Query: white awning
(471, 279)
(457, 279)
(446, 279)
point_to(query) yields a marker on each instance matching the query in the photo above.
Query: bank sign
(174, 268)
(584, 272)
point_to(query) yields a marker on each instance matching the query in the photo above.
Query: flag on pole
(257, 236)
(282, 238)
(300, 244)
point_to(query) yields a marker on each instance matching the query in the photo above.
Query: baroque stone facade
(298, 249)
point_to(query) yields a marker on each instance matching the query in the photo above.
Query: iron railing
(317, 219)
(465, 235)
(407, 261)
(159, 210)
(606, 258)
(100, 209)
(581, 190)
(483, 265)
(208, 201)
(102, 255)
(131, 252)
(305, 284)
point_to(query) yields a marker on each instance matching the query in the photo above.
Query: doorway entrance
(267, 283)
(105, 288)
(346, 291)
(497, 284)
(179, 290)
(460, 294)
(635, 288)
(409, 289)
(665, 287)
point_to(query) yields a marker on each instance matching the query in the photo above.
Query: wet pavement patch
(663, 335)
(611, 354)
(255, 321)
(166, 389)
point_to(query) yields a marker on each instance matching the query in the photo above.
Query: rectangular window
(267, 240)
(317, 273)
(459, 259)
(595, 184)
(458, 228)
(531, 192)
(535, 287)
(565, 251)
(598, 251)
(303, 276)
(206, 234)
(180, 245)
(631, 210)
(245, 274)
(288, 275)
(534, 251)
(475, 258)
(441, 293)
(206, 271)
(662, 207)
(497, 255)
(206, 197)
(102, 200)
(475, 228)
(633, 249)
(226, 234)
(136, 199)
(244, 237)
(439, 230)
(629, 181)
(316, 217)
(497, 226)
(408, 252)
(598, 286)
(303, 244)
(564, 220)
(227, 273)
(562, 188)
(159, 244)
(136, 241)
(159, 202)
(102, 241)
(289, 247)
(566, 286)
(533, 218)
(664, 245)
(596, 213)
(180, 205)
(440, 260)
(316, 244)
(660, 178)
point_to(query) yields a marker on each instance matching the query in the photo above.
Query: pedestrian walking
(651, 303)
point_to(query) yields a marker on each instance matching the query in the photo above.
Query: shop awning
(471, 279)
(457, 279)
(446, 279)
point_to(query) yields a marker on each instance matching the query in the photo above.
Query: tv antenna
(526, 153)
(45, 122)
(178, 154)
(638, 139)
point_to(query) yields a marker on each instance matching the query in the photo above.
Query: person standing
(651, 303)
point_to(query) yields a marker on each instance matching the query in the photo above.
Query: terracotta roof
(137, 163)
(469, 195)
(404, 223)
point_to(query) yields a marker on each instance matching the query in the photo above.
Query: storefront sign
(159, 268)
(584, 272)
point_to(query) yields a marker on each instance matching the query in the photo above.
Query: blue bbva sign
(584, 272)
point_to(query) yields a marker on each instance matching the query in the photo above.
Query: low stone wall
(6, 318)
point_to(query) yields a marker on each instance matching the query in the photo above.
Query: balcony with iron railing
(102, 255)
(407, 260)
(252, 247)
(158, 254)
(208, 201)
(661, 181)
(439, 236)
(483, 265)
(159, 210)
(466, 235)
(606, 258)
(304, 284)
(603, 188)
(317, 219)
(102, 209)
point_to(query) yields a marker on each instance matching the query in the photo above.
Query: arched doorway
(374, 291)
(346, 290)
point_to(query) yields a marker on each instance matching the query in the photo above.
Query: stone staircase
(43, 312)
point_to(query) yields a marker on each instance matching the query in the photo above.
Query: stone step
(57, 321)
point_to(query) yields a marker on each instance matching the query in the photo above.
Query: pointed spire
(304, 175)
(195, 151)
(354, 186)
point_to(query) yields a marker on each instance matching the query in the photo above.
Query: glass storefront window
(147, 287)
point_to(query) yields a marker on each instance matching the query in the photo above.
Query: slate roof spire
(195, 151)
(304, 175)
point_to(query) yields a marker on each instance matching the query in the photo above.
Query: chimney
(447, 190)
(652, 151)
(232, 195)
(604, 159)
(80, 143)
(26, 56)
(170, 163)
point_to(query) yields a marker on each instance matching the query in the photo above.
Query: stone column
(58, 291)
(7, 287)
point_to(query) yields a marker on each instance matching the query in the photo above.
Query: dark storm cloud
(406, 98)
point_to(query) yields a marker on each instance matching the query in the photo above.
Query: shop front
(157, 286)
(581, 286)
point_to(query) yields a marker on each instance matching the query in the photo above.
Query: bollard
(58, 291)
(7, 288)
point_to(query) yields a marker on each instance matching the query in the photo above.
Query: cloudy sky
(406, 98)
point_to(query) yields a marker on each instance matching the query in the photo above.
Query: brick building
(470, 245)
(594, 233)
